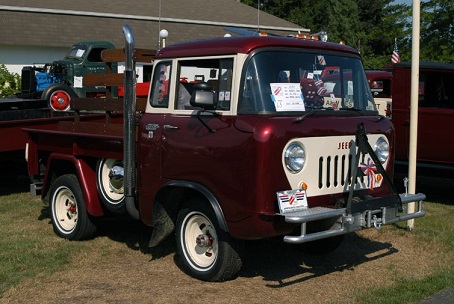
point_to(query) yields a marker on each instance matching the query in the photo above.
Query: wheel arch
(170, 199)
(60, 164)
(204, 193)
(46, 93)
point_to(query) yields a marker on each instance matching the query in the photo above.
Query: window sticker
(287, 96)
(80, 53)
(227, 95)
(321, 59)
(350, 88)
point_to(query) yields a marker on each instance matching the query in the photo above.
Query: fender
(163, 224)
(208, 195)
(85, 174)
(46, 93)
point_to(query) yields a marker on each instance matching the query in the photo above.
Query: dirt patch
(119, 268)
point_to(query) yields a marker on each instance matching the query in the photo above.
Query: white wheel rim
(65, 209)
(201, 258)
(115, 196)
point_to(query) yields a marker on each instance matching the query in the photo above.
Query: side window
(159, 96)
(434, 91)
(216, 72)
(95, 55)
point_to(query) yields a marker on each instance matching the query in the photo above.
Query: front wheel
(69, 216)
(207, 252)
(60, 98)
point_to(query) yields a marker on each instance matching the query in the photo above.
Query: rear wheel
(109, 179)
(207, 252)
(69, 215)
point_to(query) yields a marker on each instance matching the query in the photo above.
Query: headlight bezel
(295, 157)
(381, 149)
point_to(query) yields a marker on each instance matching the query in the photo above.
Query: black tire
(59, 97)
(110, 186)
(69, 216)
(207, 252)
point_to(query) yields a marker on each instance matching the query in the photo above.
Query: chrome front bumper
(351, 222)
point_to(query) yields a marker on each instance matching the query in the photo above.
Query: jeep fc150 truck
(239, 139)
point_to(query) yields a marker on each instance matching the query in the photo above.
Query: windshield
(77, 51)
(284, 81)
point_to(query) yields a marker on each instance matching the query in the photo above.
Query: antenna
(159, 26)
(258, 16)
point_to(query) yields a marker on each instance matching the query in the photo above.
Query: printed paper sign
(292, 200)
(78, 81)
(287, 96)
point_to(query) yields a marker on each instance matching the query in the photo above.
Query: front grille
(28, 81)
(336, 171)
(330, 161)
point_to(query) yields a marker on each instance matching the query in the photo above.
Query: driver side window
(159, 96)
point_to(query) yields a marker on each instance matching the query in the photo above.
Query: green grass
(436, 231)
(28, 245)
(30, 249)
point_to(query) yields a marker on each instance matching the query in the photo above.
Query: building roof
(61, 23)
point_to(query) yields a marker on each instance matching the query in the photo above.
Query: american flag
(395, 58)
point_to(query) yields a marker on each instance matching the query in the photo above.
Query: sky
(408, 2)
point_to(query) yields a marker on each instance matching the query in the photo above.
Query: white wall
(16, 57)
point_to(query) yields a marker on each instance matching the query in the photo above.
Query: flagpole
(414, 108)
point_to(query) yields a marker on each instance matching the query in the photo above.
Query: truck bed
(13, 121)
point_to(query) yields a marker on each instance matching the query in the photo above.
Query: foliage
(9, 82)
(437, 31)
(372, 26)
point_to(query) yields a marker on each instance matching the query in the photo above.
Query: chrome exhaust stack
(129, 124)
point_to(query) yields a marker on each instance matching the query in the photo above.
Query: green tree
(370, 26)
(437, 31)
(380, 28)
(9, 82)
(343, 21)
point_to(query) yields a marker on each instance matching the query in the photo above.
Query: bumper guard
(351, 222)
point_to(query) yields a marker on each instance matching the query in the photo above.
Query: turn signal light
(303, 186)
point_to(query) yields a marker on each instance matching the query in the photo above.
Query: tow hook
(377, 222)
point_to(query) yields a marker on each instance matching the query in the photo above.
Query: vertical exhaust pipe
(129, 125)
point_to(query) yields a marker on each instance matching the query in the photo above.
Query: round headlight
(382, 149)
(294, 157)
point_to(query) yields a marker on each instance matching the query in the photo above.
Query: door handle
(170, 127)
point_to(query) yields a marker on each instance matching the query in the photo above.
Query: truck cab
(435, 159)
(381, 83)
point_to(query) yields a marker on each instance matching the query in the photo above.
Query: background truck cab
(435, 157)
(60, 81)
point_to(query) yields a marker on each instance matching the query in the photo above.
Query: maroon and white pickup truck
(238, 140)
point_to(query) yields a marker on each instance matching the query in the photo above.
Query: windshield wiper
(352, 109)
(307, 114)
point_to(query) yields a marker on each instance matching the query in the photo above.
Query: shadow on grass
(283, 264)
(14, 177)
(278, 263)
